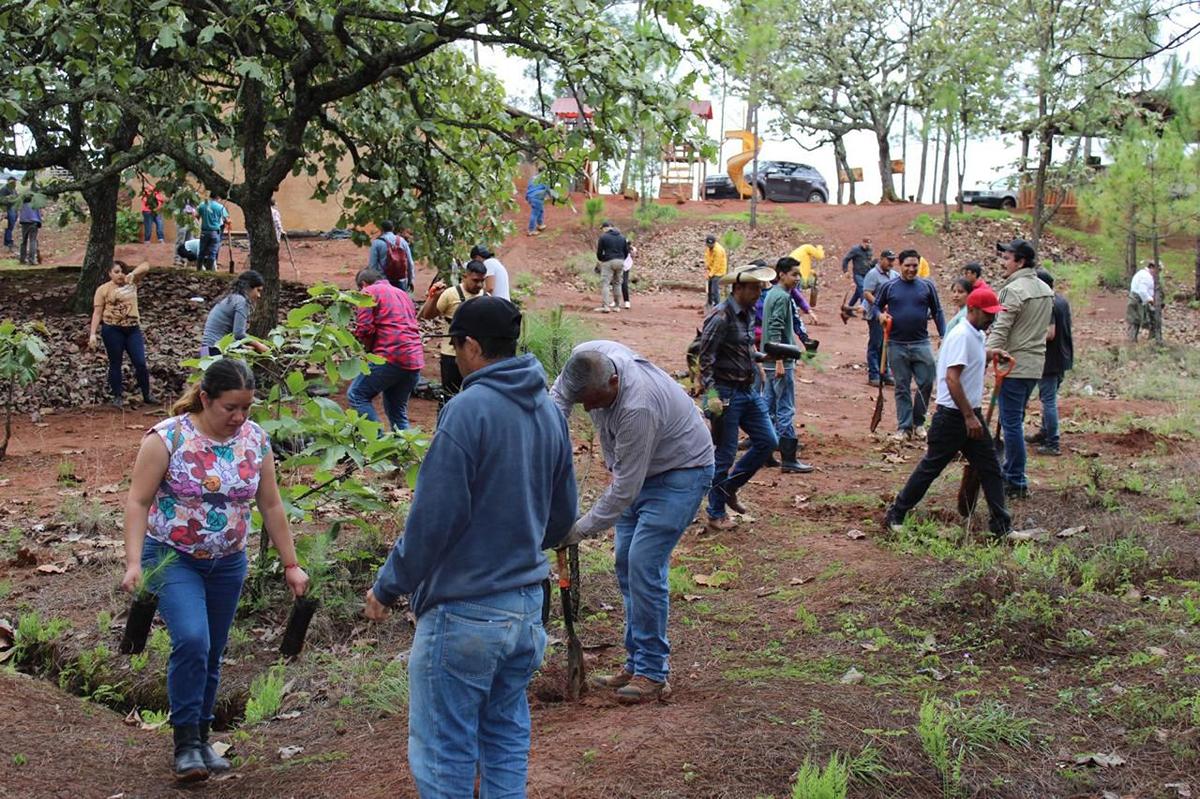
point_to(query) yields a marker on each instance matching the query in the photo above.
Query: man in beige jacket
(1020, 332)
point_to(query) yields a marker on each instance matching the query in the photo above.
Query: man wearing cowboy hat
(727, 372)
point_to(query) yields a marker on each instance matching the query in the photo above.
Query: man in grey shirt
(659, 451)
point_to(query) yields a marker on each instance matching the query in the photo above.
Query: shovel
(877, 416)
(575, 668)
(968, 488)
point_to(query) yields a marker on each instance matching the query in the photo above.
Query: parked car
(1000, 193)
(781, 181)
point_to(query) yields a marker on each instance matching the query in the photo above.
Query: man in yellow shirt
(808, 255)
(717, 264)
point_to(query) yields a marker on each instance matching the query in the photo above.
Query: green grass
(815, 782)
(1179, 264)
(931, 224)
(266, 695)
(388, 695)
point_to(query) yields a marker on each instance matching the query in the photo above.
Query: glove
(573, 538)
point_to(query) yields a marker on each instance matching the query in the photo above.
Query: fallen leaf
(1026, 535)
(110, 488)
(220, 747)
(714, 580)
(1157, 651)
(798, 580)
(868, 646)
(288, 752)
(766, 591)
(288, 716)
(52, 568)
(799, 501)
(692, 597)
(855, 535)
(1182, 789)
(852, 677)
(1102, 759)
(1071, 531)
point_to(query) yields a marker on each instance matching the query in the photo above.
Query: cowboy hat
(750, 273)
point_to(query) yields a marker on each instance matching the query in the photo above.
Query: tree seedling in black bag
(313, 553)
(144, 606)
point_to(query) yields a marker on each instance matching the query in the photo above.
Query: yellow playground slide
(737, 164)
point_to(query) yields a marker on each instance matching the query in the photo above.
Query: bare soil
(758, 665)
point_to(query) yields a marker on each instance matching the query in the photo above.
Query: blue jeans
(469, 668)
(875, 351)
(537, 214)
(912, 360)
(11, 224)
(152, 221)
(714, 291)
(1048, 394)
(210, 247)
(197, 599)
(1014, 393)
(647, 533)
(394, 383)
(745, 409)
(117, 342)
(858, 288)
(781, 399)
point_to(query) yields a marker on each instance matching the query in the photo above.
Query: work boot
(744, 444)
(787, 451)
(1014, 491)
(1047, 449)
(214, 762)
(873, 382)
(618, 680)
(189, 762)
(731, 499)
(891, 522)
(771, 462)
(888, 380)
(722, 524)
(643, 689)
(1035, 438)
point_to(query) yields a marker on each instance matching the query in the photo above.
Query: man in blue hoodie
(497, 487)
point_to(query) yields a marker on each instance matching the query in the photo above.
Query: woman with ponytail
(195, 476)
(231, 314)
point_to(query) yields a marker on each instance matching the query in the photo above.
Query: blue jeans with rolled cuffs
(468, 671)
(745, 409)
(197, 599)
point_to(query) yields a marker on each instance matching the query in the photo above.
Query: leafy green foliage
(815, 782)
(33, 640)
(129, 226)
(22, 352)
(266, 695)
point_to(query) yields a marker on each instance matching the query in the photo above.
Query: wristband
(291, 566)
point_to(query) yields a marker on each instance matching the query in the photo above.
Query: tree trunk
(924, 156)
(961, 148)
(904, 144)
(843, 165)
(945, 187)
(1045, 151)
(1130, 253)
(1197, 286)
(264, 259)
(885, 165)
(937, 155)
(102, 239)
(754, 170)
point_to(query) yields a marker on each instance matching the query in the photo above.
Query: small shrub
(933, 728)
(814, 782)
(266, 695)
(1116, 564)
(1029, 611)
(926, 225)
(129, 226)
(160, 642)
(550, 336)
(651, 214)
(593, 210)
(808, 622)
(33, 640)
(990, 724)
(732, 241)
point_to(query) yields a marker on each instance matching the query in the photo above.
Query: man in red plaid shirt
(387, 329)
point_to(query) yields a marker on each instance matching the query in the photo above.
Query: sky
(987, 159)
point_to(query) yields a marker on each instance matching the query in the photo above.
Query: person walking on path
(30, 218)
(716, 264)
(444, 302)
(497, 487)
(1139, 312)
(115, 318)
(960, 288)
(496, 283)
(535, 195)
(626, 268)
(152, 218)
(214, 219)
(611, 251)
(856, 263)
(388, 329)
(779, 314)
(809, 256)
(1060, 358)
(8, 201)
(908, 304)
(231, 314)
(1020, 330)
(880, 274)
(391, 257)
(189, 497)
(727, 373)
(973, 274)
(958, 424)
(185, 224)
(660, 454)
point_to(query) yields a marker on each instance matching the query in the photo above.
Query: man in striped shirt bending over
(387, 329)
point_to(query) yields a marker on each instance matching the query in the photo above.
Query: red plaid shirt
(389, 327)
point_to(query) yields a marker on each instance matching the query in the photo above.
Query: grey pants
(610, 282)
(29, 242)
(182, 234)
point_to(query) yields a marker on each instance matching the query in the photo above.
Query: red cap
(984, 299)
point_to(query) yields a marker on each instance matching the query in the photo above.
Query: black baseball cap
(710, 239)
(1020, 248)
(887, 254)
(481, 251)
(605, 224)
(486, 317)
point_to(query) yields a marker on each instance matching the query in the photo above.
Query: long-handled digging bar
(575, 668)
(229, 236)
(877, 416)
(968, 488)
(287, 243)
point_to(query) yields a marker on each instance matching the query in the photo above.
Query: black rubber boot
(214, 762)
(787, 451)
(189, 762)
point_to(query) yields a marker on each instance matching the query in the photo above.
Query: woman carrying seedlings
(115, 317)
(231, 314)
(195, 476)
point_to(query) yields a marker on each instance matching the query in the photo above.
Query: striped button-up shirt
(389, 327)
(652, 427)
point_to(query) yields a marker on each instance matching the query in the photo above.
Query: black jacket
(1060, 353)
(612, 246)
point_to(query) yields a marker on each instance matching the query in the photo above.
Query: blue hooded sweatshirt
(497, 487)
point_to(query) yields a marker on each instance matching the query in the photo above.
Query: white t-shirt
(963, 346)
(496, 269)
(1143, 285)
